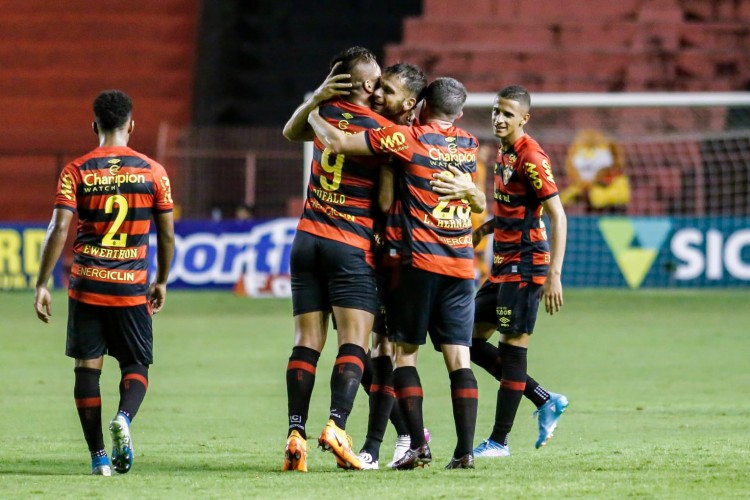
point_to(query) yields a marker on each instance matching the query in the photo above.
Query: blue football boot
(549, 414)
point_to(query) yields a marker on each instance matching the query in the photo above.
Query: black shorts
(512, 307)
(328, 273)
(124, 333)
(425, 302)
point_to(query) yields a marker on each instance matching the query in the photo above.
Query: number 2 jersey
(435, 235)
(342, 189)
(523, 180)
(116, 191)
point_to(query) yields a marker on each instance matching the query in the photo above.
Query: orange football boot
(295, 454)
(338, 442)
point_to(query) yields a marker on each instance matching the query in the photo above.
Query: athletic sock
(133, 387)
(535, 392)
(487, 356)
(300, 379)
(88, 401)
(465, 399)
(382, 397)
(511, 390)
(409, 395)
(367, 372)
(398, 420)
(345, 379)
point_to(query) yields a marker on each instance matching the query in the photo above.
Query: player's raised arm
(552, 288)
(456, 185)
(297, 128)
(337, 140)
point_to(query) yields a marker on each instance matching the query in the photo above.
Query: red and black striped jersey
(435, 235)
(341, 193)
(116, 191)
(523, 180)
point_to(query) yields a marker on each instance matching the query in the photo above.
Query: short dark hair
(412, 77)
(445, 96)
(516, 93)
(350, 58)
(112, 109)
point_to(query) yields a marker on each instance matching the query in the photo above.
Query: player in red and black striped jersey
(525, 269)
(116, 191)
(332, 263)
(435, 290)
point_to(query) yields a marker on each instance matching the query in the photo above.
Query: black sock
(88, 401)
(345, 379)
(133, 387)
(511, 390)
(300, 379)
(382, 397)
(535, 392)
(367, 372)
(398, 420)
(487, 356)
(409, 395)
(465, 398)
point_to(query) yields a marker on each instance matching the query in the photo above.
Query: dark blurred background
(214, 82)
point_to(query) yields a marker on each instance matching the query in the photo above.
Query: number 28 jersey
(342, 189)
(116, 191)
(435, 235)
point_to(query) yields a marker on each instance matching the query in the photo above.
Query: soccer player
(332, 263)
(396, 98)
(116, 192)
(526, 268)
(433, 290)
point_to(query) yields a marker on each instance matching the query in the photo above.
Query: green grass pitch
(658, 383)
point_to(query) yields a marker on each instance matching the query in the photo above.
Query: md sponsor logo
(257, 259)
(711, 254)
(634, 243)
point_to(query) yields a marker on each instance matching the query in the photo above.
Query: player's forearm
(385, 190)
(164, 246)
(331, 138)
(477, 200)
(559, 224)
(53, 245)
(297, 129)
(486, 228)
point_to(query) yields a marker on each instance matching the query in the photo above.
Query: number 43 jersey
(342, 190)
(116, 191)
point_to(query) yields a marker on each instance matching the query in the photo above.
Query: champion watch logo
(635, 243)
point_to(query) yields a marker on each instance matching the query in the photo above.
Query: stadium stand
(55, 56)
(54, 59)
(681, 45)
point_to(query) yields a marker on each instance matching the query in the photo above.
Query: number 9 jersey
(341, 190)
(115, 191)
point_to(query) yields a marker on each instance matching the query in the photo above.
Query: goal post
(687, 130)
(686, 157)
(686, 160)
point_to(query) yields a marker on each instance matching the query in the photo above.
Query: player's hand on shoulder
(43, 303)
(157, 294)
(452, 184)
